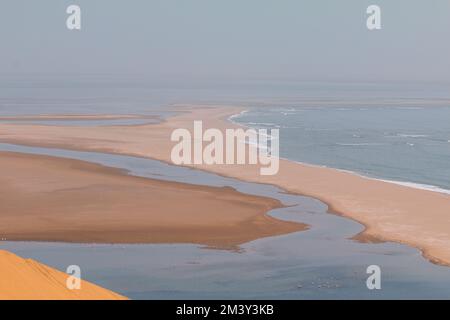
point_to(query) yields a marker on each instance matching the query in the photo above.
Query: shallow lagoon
(318, 263)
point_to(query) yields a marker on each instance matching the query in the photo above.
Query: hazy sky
(230, 39)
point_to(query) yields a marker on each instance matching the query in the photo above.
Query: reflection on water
(317, 263)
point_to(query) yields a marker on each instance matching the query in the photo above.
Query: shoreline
(385, 209)
(409, 184)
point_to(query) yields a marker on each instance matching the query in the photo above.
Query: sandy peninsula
(390, 212)
(73, 117)
(55, 199)
(26, 279)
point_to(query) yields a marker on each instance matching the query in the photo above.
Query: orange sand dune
(26, 279)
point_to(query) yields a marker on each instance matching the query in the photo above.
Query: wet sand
(390, 212)
(27, 279)
(54, 199)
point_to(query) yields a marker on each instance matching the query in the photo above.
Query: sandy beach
(390, 212)
(54, 199)
(26, 279)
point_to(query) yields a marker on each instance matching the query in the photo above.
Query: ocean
(401, 142)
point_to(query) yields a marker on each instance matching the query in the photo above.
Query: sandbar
(46, 198)
(389, 212)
